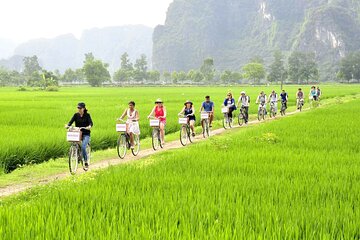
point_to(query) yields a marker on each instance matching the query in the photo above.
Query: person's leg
(192, 123)
(231, 109)
(85, 142)
(131, 139)
(211, 119)
(275, 107)
(246, 114)
(162, 132)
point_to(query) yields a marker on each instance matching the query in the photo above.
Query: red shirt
(159, 112)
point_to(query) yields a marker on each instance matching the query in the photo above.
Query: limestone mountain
(234, 31)
(107, 44)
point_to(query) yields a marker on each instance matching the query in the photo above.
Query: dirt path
(14, 189)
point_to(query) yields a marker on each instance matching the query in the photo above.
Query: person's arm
(213, 108)
(238, 103)
(193, 111)
(152, 112)
(137, 116)
(91, 124)
(123, 115)
(182, 111)
(202, 107)
(257, 100)
(225, 102)
(164, 112)
(72, 120)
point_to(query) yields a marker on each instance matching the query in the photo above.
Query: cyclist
(229, 102)
(132, 123)
(318, 93)
(159, 112)
(261, 100)
(189, 112)
(284, 98)
(299, 97)
(313, 93)
(208, 106)
(244, 102)
(82, 120)
(273, 98)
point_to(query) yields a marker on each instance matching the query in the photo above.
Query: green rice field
(295, 178)
(31, 122)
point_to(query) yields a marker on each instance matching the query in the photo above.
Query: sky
(21, 20)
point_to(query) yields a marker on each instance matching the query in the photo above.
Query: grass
(294, 178)
(32, 122)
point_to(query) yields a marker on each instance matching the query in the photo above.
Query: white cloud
(25, 19)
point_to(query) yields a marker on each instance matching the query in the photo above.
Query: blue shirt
(283, 96)
(208, 107)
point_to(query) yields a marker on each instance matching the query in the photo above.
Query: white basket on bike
(121, 127)
(183, 120)
(204, 115)
(73, 136)
(154, 123)
(224, 110)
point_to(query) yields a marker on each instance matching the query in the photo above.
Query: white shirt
(244, 101)
(273, 98)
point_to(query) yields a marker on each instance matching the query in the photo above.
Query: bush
(52, 89)
(22, 89)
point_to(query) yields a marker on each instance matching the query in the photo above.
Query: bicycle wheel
(159, 139)
(88, 153)
(73, 158)
(155, 139)
(241, 119)
(191, 138)
(206, 129)
(273, 113)
(122, 146)
(260, 115)
(225, 121)
(183, 136)
(136, 149)
(264, 114)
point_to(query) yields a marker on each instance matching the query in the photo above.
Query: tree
(174, 77)
(154, 76)
(196, 76)
(141, 68)
(95, 71)
(254, 71)
(126, 71)
(302, 67)
(208, 69)
(69, 76)
(31, 70)
(126, 63)
(226, 77)
(182, 76)
(350, 67)
(48, 79)
(167, 76)
(4, 77)
(277, 69)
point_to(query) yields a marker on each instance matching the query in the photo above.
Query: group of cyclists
(82, 118)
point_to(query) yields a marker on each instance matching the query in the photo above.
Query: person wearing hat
(284, 98)
(229, 102)
(244, 102)
(189, 112)
(83, 120)
(273, 99)
(261, 100)
(159, 112)
(208, 106)
(299, 97)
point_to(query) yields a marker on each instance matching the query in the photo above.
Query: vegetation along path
(17, 188)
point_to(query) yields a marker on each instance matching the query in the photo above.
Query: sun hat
(188, 101)
(159, 101)
(243, 92)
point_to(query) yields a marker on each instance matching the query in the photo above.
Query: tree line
(298, 68)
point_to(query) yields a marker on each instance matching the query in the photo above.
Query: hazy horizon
(48, 19)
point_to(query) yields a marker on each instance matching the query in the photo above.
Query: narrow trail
(17, 188)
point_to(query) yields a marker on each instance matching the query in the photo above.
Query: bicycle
(205, 124)
(124, 143)
(242, 116)
(283, 108)
(261, 112)
(156, 138)
(74, 136)
(185, 131)
(300, 104)
(272, 109)
(227, 121)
